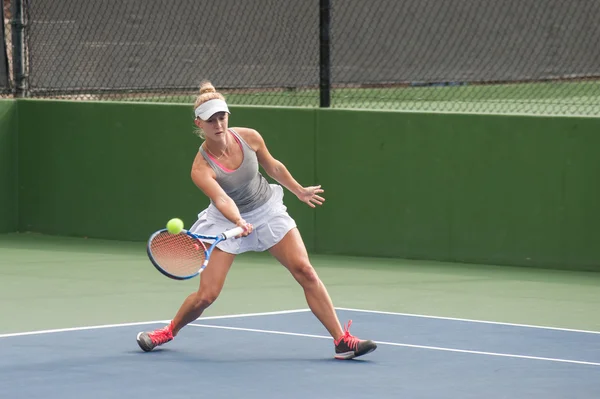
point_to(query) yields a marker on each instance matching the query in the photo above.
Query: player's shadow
(213, 357)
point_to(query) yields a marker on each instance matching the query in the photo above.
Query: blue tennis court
(289, 354)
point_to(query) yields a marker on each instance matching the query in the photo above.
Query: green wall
(121, 170)
(512, 190)
(476, 188)
(8, 166)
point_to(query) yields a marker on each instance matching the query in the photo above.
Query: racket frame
(200, 238)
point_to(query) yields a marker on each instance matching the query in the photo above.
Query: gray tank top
(246, 185)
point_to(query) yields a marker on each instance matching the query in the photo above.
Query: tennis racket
(183, 256)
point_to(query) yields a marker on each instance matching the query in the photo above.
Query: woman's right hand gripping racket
(183, 256)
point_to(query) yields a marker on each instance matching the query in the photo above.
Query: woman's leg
(211, 283)
(292, 254)
(212, 280)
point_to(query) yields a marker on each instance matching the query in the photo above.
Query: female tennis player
(226, 169)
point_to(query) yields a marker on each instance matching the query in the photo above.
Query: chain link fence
(502, 56)
(534, 56)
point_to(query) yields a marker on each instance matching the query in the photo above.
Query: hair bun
(207, 87)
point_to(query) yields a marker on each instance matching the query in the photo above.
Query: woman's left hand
(310, 195)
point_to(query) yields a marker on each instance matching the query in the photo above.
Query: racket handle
(233, 232)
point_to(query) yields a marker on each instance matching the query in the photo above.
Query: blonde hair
(207, 92)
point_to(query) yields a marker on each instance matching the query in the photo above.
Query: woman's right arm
(205, 179)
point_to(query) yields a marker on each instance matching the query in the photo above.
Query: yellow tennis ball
(174, 226)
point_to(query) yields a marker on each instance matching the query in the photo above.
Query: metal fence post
(18, 49)
(324, 53)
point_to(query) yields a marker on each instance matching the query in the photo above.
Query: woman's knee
(305, 273)
(205, 299)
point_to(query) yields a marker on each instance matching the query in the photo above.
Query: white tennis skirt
(271, 223)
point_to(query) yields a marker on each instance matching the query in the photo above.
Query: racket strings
(177, 254)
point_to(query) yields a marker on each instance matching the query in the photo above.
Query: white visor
(211, 107)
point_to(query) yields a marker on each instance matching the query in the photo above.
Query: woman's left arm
(278, 171)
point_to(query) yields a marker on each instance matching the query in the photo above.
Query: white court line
(233, 316)
(469, 320)
(58, 330)
(437, 348)
(141, 323)
(259, 331)
(326, 337)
